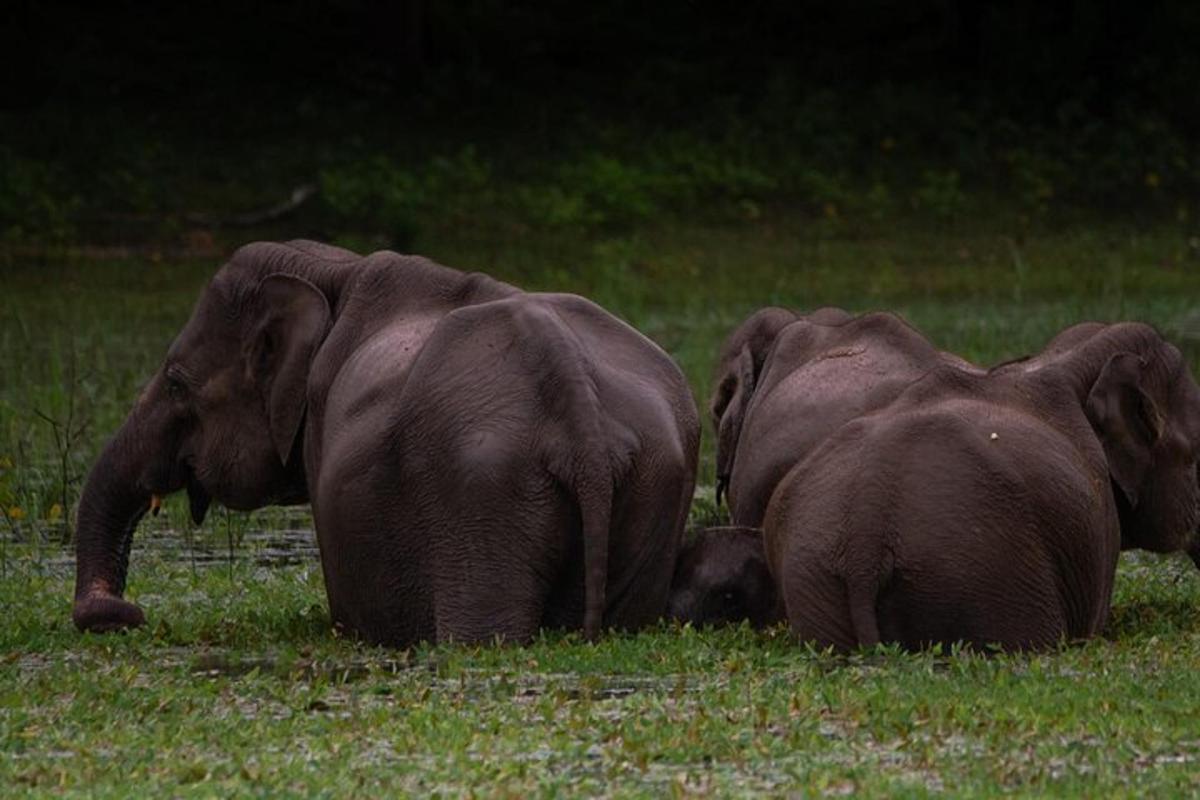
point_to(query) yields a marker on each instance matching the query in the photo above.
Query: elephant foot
(101, 612)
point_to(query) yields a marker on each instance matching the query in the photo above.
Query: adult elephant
(991, 508)
(785, 382)
(1063, 350)
(480, 461)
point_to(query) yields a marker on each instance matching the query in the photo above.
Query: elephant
(722, 578)
(1135, 533)
(784, 382)
(481, 461)
(990, 508)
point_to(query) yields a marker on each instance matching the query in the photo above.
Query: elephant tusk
(155, 504)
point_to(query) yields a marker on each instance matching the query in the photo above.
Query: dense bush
(852, 158)
(828, 159)
(479, 113)
(35, 202)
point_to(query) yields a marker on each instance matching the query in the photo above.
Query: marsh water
(272, 538)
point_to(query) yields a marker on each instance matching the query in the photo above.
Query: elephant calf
(991, 508)
(721, 578)
(481, 461)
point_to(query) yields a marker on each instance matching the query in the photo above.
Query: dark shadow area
(124, 123)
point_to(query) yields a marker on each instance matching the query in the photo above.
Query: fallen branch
(298, 197)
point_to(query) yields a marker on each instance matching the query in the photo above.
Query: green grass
(237, 686)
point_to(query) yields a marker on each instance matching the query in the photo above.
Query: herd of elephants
(484, 462)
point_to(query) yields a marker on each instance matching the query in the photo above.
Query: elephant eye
(176, 389)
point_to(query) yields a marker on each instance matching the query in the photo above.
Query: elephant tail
(861, 596)
(581, 457)
(594, 491)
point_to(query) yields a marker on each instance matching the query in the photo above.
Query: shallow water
(204, 548)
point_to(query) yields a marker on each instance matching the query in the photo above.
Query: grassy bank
(236, 685)
(74, 324)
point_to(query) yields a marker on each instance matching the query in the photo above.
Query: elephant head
(721, 577)
(221, 417)
(1144, 407)
(739, 367)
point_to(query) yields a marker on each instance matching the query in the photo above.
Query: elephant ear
(1127, 420)
(293, 321)
(730, 427)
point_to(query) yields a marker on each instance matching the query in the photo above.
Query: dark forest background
(123, 121)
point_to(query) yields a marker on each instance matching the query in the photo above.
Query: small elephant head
(222, 417)
(721, 577)
(1144, 407)
(738, 369)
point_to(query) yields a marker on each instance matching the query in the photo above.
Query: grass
(237, 686)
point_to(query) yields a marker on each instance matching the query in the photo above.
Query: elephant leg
(498, 554)
(374, 560)
(648, 521)
(487, 602)
(818, 606)
(992, 605)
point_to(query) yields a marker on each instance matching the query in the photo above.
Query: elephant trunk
(729, 428)
(728, 431)
(111, 506)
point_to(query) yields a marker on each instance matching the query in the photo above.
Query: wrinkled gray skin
(1136, 532)
(721, 578)
(991, 508)
(481, 461)
(785, 382)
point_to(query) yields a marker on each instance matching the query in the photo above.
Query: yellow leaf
(16, 512)
(55, 513)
